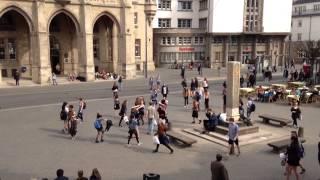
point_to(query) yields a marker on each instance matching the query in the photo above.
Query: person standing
(200, 69)
(72, 122)
(82, 106)
(123, 111)
(184, 83)
(95, 175)
(319, 152)
(293, 158)
(151, 82)
(233, 134)
(218, 170)
(120, 82)
(64, 116)
(115, 89)
(205, 84)
(164, 91)
(295, 114)
(16, 77)
(158, 82)
(224, 96)
(98, 124)
(186, 94)
(154, 96)
(60, 175)
(151, 114)
(133, 129)
(54, 79)
(206, 98)
(241, 81)
(196, 82)
(195, 111)
(182, 71)
(192, 87)
(116, 105)
(249, 107)
(163, 139)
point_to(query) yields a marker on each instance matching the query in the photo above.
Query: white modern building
(305, 27)
(215, 31)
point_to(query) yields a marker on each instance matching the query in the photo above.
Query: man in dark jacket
(218, 171)
(60, 175)
(17, 78)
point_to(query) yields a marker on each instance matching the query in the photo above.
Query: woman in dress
(293, 154)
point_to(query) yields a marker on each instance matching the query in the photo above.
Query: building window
(164, 5)
(187, 40)
(184, 23)
(96, 48)
(167, 57)
(137, 46)
(2, 49)
(135, 18)
(203, 23)
(217, 56)
(199, 56)
(300, 23)
(163, 41)
(185, 5)
(203, 4)
(316, 7)
(185, 56)
(173, 40)
(12, 48)
(196, 40)
(180, 42)
(299, 36)
(164, 23)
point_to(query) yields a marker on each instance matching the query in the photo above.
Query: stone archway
(105, 43)
(15, 46)
(63, 30)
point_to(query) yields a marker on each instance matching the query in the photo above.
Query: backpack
(97, 124)
(253, 107)
(198, 96)
(63, 115)
(84, 105)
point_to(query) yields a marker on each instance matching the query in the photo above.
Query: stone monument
(233, 89)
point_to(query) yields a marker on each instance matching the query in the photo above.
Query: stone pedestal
(233, 88)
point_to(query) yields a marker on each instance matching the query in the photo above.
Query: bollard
(301, 132)
(151, 176)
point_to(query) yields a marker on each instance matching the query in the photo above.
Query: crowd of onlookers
(95, 175)
(105, 75)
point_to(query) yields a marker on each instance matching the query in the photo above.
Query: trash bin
(300, 132)
(151, 176)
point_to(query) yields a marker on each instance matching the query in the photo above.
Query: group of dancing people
(134, 118)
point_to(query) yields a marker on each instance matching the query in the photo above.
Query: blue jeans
(151, 125)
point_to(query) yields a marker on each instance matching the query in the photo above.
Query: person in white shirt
(151, 114)
(249, 107)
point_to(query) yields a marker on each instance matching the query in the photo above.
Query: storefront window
(12, 48)
(2, 49)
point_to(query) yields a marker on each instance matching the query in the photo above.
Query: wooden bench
(267, 118)
(180, 137)
(281, 145)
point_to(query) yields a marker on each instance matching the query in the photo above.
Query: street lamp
(146, 49)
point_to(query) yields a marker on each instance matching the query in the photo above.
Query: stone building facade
(214, 32)
(75, 36)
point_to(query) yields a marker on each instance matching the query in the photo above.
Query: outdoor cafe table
(317, 87)
(296, 84)
(246, 91)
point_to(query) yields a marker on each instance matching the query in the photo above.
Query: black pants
(131, 132)
(186, 101)
(121, 119)
(295, 121)
(166, 145)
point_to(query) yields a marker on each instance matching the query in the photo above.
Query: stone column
(0, 73)
(233, 85)
(115, 49)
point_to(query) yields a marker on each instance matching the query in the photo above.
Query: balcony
(309, 12)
